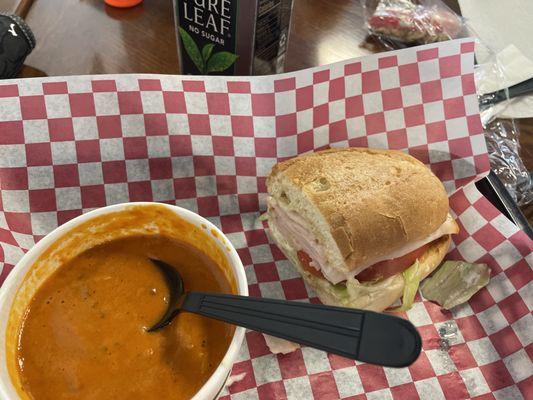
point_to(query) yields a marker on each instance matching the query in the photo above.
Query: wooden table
(89, 37)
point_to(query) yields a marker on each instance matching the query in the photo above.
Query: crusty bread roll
(353, 208)
(343, 192)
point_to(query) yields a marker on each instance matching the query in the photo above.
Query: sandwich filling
(313, 257)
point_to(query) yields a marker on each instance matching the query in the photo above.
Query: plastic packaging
(502, 135)
(408, 23)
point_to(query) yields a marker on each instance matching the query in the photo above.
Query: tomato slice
(387, 268)
(305, 262)
(380, 270)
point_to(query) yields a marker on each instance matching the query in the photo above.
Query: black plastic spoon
(362, 335)
(520, 89)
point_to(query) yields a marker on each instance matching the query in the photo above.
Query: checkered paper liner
(69, 145)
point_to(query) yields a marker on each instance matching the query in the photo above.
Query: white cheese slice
(297, 231)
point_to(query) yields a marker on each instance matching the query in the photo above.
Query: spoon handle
(362, 335)
(489, 99)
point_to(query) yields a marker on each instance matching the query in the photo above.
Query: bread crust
(374, 201)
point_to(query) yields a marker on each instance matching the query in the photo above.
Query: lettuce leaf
(411, 277)
(455, 282)
(355, 294)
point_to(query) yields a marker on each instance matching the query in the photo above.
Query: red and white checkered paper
(68, 145)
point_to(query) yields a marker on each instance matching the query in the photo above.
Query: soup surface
(84, 333)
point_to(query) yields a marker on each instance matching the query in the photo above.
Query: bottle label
(206, 34)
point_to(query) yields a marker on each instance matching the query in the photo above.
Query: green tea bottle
(232, 37)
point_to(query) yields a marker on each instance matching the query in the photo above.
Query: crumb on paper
(235, 378)
(277, 345)
(448, 335)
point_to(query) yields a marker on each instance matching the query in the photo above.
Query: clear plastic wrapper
(405, 22)
(503, 144)
(502, 135)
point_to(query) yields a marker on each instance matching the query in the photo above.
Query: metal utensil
(362, 335)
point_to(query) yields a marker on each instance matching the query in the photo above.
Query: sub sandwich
(355, 222)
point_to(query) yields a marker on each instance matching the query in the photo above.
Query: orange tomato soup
(84, 334)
